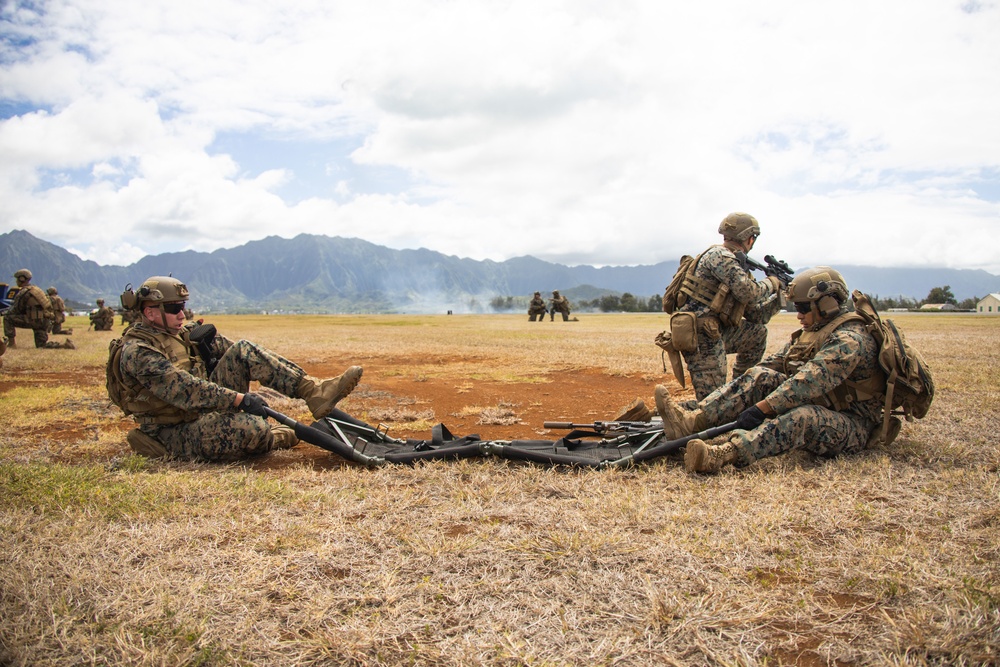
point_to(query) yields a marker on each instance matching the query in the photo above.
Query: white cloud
(584, 132)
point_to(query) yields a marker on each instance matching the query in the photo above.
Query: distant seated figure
(102, 319)
(196, 410)
(558, 304)
(537, 309)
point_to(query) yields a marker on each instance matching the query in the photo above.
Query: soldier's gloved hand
(775, 284)
(253, 404)
(750, 418)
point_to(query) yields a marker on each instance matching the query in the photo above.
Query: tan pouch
(710, 327)
(684, 331)
(145, 444)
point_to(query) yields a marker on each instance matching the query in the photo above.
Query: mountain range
(322, 274)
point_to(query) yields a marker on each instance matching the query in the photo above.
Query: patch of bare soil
(457, 400)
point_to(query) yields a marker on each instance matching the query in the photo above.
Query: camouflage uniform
(747, 340)
(558, 304)
(31, 309)
(212, 429)
(104, 318)
(537, 309)
(803, 421)
(58, 311)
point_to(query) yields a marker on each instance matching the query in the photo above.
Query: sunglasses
(173, 308)
(803, 307)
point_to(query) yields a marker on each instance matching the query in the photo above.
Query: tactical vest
(804, 346)
(712, 293)
(37, 307)
(131, 396)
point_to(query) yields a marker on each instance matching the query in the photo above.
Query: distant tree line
(609, 303)
(629, 303)
(936, 295)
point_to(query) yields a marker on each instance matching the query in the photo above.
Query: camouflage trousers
(707, 365)
(222, 436)
(40, 329)
(813, 428)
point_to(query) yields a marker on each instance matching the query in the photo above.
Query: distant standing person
(102, 319)
(31, 309)
(188, 410)
(58, 312)
(537, 309)
(558, 303)
(729, 308)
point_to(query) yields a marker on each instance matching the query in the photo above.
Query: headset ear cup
(827, 305)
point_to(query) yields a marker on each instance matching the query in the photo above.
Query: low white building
(989, 305)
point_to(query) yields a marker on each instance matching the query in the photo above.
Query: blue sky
(575, 131)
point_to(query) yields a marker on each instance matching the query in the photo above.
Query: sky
(577, 131)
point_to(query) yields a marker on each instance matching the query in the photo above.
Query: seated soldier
(818, 393)
(157, 375)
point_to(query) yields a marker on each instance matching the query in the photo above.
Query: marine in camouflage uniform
(537, 309)
(818, 393)
(30, 309)
(103, 319)
(58, 312)
(186, 412)
(558, 304)
(746, 306)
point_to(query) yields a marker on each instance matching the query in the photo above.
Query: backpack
(673, 291)
(118, 392)
(909, 385)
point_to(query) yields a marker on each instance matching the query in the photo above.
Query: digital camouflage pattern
(58, 310)
(802, 421)
(537, 309)
(219, 432)
(558, 304)
(31, 309)
(748, 340)
(103, 318)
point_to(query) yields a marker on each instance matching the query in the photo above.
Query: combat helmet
(739, 227)
(156, 290)
(51, 291)
(22, 273)
(823, 287)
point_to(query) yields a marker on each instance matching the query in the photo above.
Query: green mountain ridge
(321, 274)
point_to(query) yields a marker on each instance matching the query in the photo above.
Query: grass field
(891, 557)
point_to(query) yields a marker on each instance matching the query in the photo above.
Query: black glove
(253, 404)
(750, 418)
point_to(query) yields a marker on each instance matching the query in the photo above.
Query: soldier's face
(165, 319)
(806, 319)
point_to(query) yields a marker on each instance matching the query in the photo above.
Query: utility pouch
(684, 331)
(709, 326)
(719, 300)
(144, 444)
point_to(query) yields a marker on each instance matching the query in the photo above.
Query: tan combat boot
(284, 436)
(699, 456)
(636, 411)
(677, 422)
(322, 396)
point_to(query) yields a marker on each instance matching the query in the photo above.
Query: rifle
(774, 267)
(650, 434)
(608, 427)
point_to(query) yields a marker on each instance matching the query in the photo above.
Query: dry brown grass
(887, 558)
